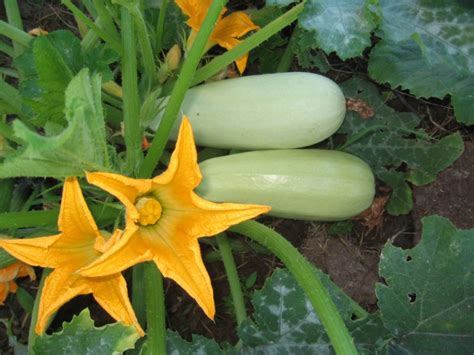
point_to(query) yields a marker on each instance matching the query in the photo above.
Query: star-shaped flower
(8, 275)
(78, 244)
(165, 218)
(227, 30)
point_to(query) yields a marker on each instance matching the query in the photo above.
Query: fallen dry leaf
(361, 107)
(372, 217)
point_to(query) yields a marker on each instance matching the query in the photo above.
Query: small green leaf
(80, 336)
(25, 299)
(280, 3)
(341, 26)
(428, 300)
(427, 47)
(341, 228)
(401, 199)
(80, 146)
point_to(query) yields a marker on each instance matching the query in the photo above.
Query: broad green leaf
(385, 141)
(341, 26)
(80, 146)
(198, 345)
(285, 321)
(307, 52)
(47, 67)
(427, 47)
(428, 299)
(174, 25)
(80, 336)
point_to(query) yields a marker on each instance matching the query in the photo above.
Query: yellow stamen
(149, 210)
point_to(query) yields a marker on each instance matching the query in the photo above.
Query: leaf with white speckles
(341, 26)
(199, 345)
(80, 336)
(427, 47)
(428, 300)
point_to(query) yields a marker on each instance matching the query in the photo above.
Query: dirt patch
(451, 195)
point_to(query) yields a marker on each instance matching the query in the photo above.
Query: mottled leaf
(80, 336)
(390, 139)
(428, 48)
(280, 3)
(80, 146)
(428, 300)
(285, 321)
(341, 26)
(401, 199)
(199, 345)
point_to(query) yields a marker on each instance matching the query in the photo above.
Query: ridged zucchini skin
(270, 111)
(307, 184)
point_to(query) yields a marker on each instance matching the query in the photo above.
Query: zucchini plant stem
(306, 278)
(287, 58)
(15, 34)
(155, 310)
(160, 27)
(182, 84)
(232, 278)
(14, 19)
(131, 100)
(5, 48)
(220, 62)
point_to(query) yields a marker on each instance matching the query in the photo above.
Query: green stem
(14, 19)
(15, 34)
(10, 95)
(155, 310)
(131, 100)
(7, 132)
(5, 48)
(106, 20)
(182, 84)
(232, 278)
(220, 62)
(287, 58)
(9, 72)
(143, 37)
(138, 298)
(104, 34)
(15, 220)
(306, 278)
(160, 28)
(34, 315)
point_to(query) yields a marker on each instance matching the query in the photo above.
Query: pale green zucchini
(310, 184)
(271, 111)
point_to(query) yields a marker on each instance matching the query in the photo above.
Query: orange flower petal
(4, 290)
(125, 189)
(235, 25)
(196, 10)
(111, 293)
(33, 251)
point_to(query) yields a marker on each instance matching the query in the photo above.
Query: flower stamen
(149, 210)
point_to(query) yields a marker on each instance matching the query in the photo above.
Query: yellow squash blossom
(165, 218)
(78, 244)
(8, 275)
(227, 30)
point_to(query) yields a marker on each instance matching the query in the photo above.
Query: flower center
(149, 210)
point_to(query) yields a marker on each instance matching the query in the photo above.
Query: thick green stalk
(9, 72)
(155, 311)
(306, 278)
(131, 100)
(160, 28)
(7, 132)
(104, 34)
(182, 84)
(143, 37)
(15, 34)
(220, 62)
(14, 19)
(138, 298)
(232, 278)
(34, 315)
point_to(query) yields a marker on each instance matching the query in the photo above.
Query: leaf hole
(354, 317)
(409, 258)
(412, 297)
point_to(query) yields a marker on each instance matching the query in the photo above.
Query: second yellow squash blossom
(227, 30)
